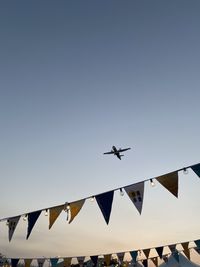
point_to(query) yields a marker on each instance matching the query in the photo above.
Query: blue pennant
(134, 255)
(32, 218)
(94, 259)
(54, 261)
(176, 255)
(196, 169)
(105, 204)
(14, 262)
(197, 242)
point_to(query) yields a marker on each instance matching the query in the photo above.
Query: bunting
(14, 262)
(159, 250)
(80, 261)
(107, 259)
(32, 218)
(145, 263)
(54, 261)
(176, 255)
(12, 224)
(40, 262)
(197, 242)
(196, 169)
(135, 193)
(120, 257)
(27, 262)
(186, 249)
(54, 213)
(94, 259)
(146, 252)
(75, 207)
(105, 204)
(67, 262)
(134, 255)
(170, 182)
(172, 248)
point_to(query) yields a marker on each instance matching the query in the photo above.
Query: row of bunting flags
(104, 201)
(135, 256)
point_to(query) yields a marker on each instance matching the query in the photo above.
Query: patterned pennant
(107, 259)
(120, 256)
(170, 182)
(75, 207)
(32, 218)
(146, 252)
(186, 249)
(94, 259)
(14, 262)
(54, 261)
(196, 169)
(145, 263)
(12, 224)
(67, 262)
(80, 261)
(134, 255)
(105, 204)
(155, 261)
(159, 250)
(197, 242)
(27, 262)
(135, 193)
(54, 213)
(172, 247)
(40, 262)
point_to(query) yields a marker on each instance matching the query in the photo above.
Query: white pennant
(12, 223)
(136, 193)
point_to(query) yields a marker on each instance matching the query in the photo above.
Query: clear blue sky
(76, 78)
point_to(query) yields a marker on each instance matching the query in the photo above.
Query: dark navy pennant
(196, 169)
(32, 218)
(105, 204)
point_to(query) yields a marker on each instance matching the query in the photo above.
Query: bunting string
(104, 200)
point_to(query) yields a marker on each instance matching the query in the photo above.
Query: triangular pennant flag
(155, 261)
(75, 207)
(120, 256)
(176, 255)
(32, 218)
(54, 213)
(170, 182)
(196, 169)
(172, 247)
(146, 252)
(159, 250)
(54, 261)
(107, 259)
(197, 242)
(186, 249)
(27, 262)
(40, 262)
(14, 262)
(67, 262)
(134, 255)
(136, 193)
(105, 204)
(197, 250)
(12, 224)
(94, 259)
(145, 263)
(80, 260)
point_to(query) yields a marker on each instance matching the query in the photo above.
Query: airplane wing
(124, 149)
(111, 152)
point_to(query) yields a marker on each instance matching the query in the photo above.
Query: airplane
(117, 152)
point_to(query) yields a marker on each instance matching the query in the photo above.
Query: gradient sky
(76, 78)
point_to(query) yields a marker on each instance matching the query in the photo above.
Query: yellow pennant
(155, 261)
(170, 182)
(54, 213)
(107, 259)
(186, 249)
(67, 262)
(146, 252)
(75, 207)
(27, 262)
